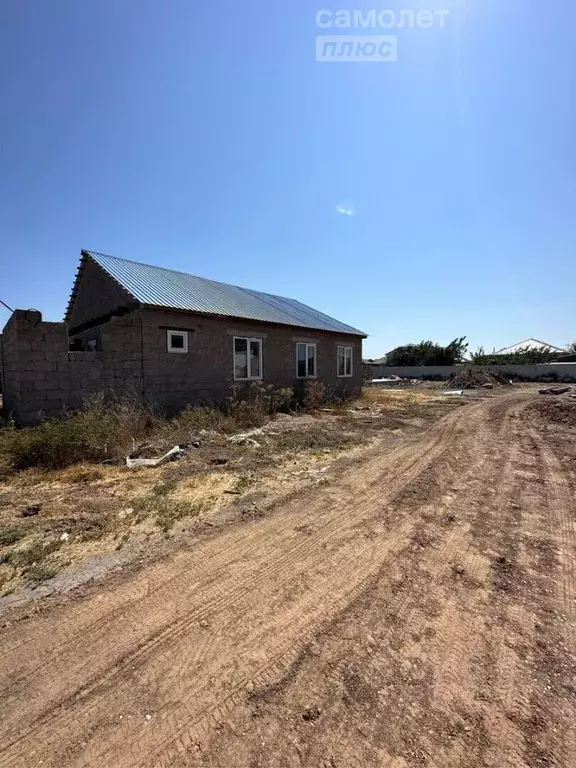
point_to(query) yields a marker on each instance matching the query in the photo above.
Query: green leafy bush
(428, 353)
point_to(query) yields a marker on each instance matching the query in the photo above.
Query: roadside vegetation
(66, 493)
(106, 429)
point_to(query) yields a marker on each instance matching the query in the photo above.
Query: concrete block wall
(543, 372)
(206, 372)
(41, 378)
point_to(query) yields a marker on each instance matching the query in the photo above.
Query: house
(169, 337)
(535, 344)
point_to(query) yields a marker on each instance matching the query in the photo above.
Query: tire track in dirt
(557, 625)
(513, 540)
(272, 589)
(185, 741)
(402, 608)
(468, 679)
(227, 596)
(398, 609)
(505, 684)
(563, 511)
(244, 541)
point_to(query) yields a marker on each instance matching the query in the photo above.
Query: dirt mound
(557, 411)
(475, 378)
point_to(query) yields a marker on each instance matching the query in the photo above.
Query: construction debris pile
(477, 378)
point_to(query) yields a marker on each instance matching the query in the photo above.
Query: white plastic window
(247, 358)
(177, 341)
(344, 361)
(305, 361)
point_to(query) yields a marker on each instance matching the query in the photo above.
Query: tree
(428, 353)
(523, 356)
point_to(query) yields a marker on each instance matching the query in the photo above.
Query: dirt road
(417, 609)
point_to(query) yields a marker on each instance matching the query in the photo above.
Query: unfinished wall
(97, 295)
(41, 378)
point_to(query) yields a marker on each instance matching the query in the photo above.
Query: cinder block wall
(41, 378)
(206, 372)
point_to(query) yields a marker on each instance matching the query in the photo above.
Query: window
(305, 361)
(344, 365)
(177, 341)
(91, 345)
(247, 358)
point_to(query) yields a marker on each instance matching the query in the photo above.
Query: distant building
(532, 344)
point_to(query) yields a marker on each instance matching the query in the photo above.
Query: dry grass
(110, 428)
(88, 509)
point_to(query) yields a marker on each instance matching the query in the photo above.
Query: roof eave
(357, 333)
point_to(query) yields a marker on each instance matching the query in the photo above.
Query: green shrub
(100, 430)
(108, 428)
(10, 534)
(33, 554)
(40, 573)
(255, 405)
(429, 353)
(526, 355)
(314, 395)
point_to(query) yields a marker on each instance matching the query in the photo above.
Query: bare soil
(59, 528)
(416, 608)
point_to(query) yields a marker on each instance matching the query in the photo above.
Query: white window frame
(307, 375)
(176, 350)
(349, 350)
(248, 340)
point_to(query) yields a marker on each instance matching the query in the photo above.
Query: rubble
(174, 453)
(245, 438)
(476, 378)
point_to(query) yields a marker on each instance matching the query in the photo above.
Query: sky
(427, 198)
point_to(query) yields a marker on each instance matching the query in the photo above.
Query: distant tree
(523, 356)
(428, 353)
(571, 348)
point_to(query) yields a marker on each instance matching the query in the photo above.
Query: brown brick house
(171, 337)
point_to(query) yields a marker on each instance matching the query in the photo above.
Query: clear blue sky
(205, 137)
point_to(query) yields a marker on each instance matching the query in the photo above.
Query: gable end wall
(97, 295)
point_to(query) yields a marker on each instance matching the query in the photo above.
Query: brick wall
(41, 377)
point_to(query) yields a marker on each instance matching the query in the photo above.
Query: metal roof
(160, 287)
(532, 344)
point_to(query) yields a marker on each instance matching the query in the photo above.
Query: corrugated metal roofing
(532, 344)
(157, 286)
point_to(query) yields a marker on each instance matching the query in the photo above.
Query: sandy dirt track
(416, 610)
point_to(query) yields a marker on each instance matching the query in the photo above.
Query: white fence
(548, 372)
